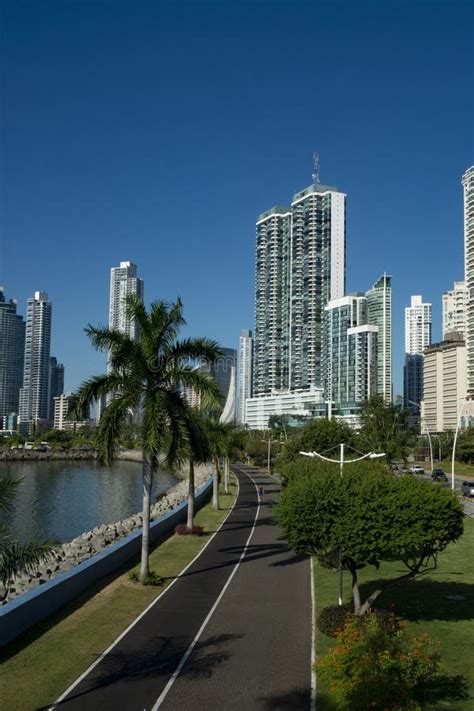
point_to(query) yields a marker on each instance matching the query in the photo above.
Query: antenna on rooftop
(316, 168)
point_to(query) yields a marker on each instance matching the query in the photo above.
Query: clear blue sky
(157, 132)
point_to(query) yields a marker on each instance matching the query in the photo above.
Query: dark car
(467, 488)
(438, 475)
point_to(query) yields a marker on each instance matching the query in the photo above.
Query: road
(468, 503)
(234, 631)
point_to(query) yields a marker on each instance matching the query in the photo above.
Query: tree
(465, 446)
(369, 516)
(320, 435)
(148, 377)
(217, 434)
(384, 428)
(17, 557)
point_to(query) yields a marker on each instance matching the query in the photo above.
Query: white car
(416, 469)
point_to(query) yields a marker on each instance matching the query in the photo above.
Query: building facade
(418, 323)
(12, 353)
(61, 418)
(350, 350)
(34, 402)
(444, 384)
(300, 266)
(245, 372)
(56, 383)
(468, 191)
(300, 405)
(379, 303)
(454, 306)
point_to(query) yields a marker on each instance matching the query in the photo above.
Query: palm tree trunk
(215, 485)
(147, 484)
(190, 522)
(226, 475)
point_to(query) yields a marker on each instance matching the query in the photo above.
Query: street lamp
(461, 405)
(416, 404)
(341, 461)
(269, 441)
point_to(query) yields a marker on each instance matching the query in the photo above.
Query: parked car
(416, 469)
(467, 488)
(438, 475)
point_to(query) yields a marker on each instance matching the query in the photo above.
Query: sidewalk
(253, 652)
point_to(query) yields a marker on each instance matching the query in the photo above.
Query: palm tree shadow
(293, 700)
(441, 689)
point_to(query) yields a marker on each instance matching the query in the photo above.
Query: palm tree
(198, 453)
(147, 377)
(217, 433)
(17, 557)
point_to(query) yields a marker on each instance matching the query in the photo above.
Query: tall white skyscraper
(417, 326)
(245, 366)
(454, 304)
(34, 395)
(300, 267)
(123, 282)
(468, 187)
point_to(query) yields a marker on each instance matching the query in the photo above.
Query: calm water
(60, 500)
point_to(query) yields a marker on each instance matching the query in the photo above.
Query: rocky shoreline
(21, 455)
(89, 543)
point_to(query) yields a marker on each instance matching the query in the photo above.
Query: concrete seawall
(35, 605)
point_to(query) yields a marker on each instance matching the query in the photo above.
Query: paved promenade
(233, 632)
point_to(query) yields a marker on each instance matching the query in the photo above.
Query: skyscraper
(417, 337)
(12, 353)
(245, 372)
(454, 309)
(350, 351)
(123, 282)
(34, 395)
(56, 383)
(468, 188)
(300, 266)
(379, 302)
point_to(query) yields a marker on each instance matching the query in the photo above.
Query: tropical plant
(147, 377)
(320, 435)
(384, 428)
(219, 438)
(376, 664)
(368, 516)
(17, 557)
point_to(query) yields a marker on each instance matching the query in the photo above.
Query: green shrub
(182, 530)
(151, 579)
(331, 619)
(376, 664)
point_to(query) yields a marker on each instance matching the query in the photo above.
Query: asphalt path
(232, 632)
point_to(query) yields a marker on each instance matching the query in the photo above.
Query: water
(60, 500)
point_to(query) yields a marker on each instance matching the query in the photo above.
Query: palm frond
(193, 349)
(18, 557)
(8, 489)
(111, 423)
(94, 389)
(202, 383)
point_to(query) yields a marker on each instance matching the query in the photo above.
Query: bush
(151, 579)
(378, 665)
(182, 530)
(332, 619)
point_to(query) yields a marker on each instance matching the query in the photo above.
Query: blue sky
(157, 132)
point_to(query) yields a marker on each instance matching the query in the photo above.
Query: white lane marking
(313, 638)
(153, 602)
(186, 655)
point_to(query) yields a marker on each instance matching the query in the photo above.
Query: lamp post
(416, 404)
(341, 461)
(461, 405)
(269, 441)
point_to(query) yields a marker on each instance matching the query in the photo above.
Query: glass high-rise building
(34, 395)
(379, 302)
(56, 384)
(300, 266)
(468, 189)
(350, 351)
(418, 322)
(12, 353)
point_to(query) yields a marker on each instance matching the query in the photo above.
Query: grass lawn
(460, 469)
(39, 666)
(441, 604)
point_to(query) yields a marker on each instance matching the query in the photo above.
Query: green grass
(39, 666)
(460, 469)
(425, 605)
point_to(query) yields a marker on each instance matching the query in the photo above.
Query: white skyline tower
(245, 372)
(468, 188)
(418, 321)
(123, 282)
(34, 395)
(454, 303)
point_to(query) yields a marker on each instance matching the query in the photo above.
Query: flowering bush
(182, 530)
(376, 664)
